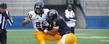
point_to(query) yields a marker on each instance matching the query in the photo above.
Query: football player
(58, 24)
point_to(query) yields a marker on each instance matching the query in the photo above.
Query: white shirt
(1, 16)
(5, 20)
(70, 14)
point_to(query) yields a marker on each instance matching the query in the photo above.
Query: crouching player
(38, 18)
(57, 24)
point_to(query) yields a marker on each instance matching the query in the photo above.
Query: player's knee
(71, 38)
(42, 42)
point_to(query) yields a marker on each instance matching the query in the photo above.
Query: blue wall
(18, 23)
(97, 21)
(91, 22)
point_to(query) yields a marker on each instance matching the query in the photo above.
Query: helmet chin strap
(40, 12)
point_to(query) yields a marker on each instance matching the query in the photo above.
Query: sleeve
(9, 18)
(65, 18)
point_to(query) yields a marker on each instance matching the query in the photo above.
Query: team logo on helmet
(53, 12)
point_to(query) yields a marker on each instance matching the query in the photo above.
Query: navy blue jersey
(63, 28)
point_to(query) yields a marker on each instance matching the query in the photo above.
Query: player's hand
(54, 31)
(24, 23)
(55, 28)
(45, 30)
(45, 23)
(27, 20)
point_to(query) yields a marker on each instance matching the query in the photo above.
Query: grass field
(85, 36)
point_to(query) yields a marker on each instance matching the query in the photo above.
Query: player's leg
(58, 42)
(56, 37)
(40, 37)
(52, 37)
(0, 37)
(69, 39)
(72, 38)
(3, 37)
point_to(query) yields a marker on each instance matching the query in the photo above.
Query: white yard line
(81, 34)
(22, 30)
(88, 36)
(94, 37)
(104, 40)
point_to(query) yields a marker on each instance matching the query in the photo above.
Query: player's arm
(9, 18)
(53, 31)
(27, 20)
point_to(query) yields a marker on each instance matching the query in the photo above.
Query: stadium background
(92, 27)
(96, 11)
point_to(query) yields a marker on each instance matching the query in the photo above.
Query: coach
(5, 19)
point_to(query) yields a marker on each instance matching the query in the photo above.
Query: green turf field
(85, 36)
